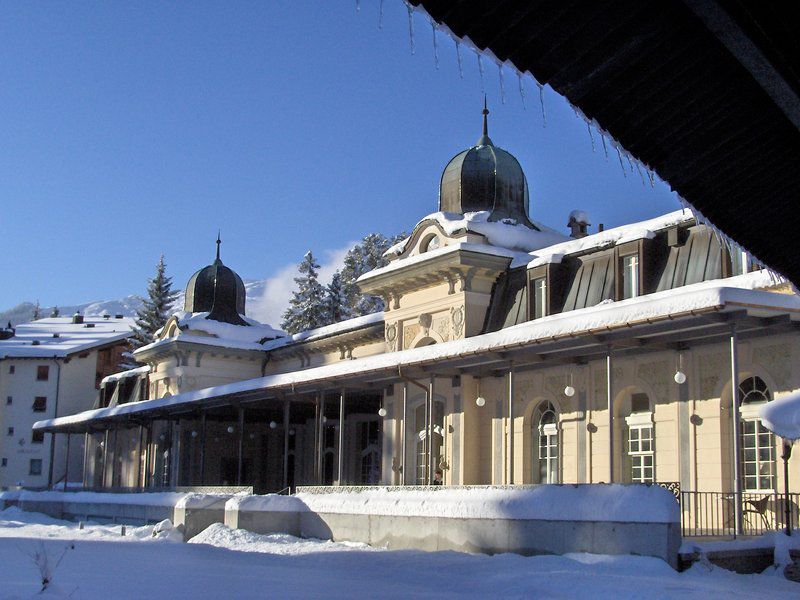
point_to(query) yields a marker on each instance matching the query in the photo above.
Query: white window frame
(641, 447)
(539, 297)
(630, 267)
(749, 415)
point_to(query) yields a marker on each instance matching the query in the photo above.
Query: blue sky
(135, 129)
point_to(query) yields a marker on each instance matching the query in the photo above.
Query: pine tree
(37, 312)
(336, 308)
(154, 312)
(55, 312)
(362, 258)
(306, 307)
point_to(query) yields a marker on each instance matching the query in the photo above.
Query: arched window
(756, 441)
(641, 441)
(545, 448)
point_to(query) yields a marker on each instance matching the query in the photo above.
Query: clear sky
(132, 129)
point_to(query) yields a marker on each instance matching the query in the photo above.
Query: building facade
(49, 368)
(507, 353)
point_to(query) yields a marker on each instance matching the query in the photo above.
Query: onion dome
(217, 290)
(485, 178)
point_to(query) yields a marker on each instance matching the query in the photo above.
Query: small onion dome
(217, 290)
(485, 178)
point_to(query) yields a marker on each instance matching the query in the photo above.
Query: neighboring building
(49, 368)
(507, 353)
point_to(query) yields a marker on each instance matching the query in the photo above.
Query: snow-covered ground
(223, 563)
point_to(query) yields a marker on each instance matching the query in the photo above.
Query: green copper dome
(217, 290)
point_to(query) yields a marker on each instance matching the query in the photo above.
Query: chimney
(118, 316)
(77, 318)
(578, 224)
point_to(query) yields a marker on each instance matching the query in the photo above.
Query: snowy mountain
(127, 306)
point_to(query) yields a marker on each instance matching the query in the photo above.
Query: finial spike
(219, 241)
(485, 120)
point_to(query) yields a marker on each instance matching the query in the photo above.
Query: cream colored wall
(307, 356)
(192, 369)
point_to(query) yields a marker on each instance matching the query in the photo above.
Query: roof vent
(89, 325)
(77, 318)
(35, 343)
(118, 316)
(106, 316)
(56, 335)
(578, 223)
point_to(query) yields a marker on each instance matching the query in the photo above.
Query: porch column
(737, 476)
(321, 449)
(85, 456)
(340, 478)
(66, 464)
(115, 457)
(147, 456)
(241, 447)
(316, 436)
(202, 448)
(511, 425)
(610, 403)
(105, 459)
(286, 443)
(429, 431)
(139, 456)
(403, 427)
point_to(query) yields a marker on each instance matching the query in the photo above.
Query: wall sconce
(273, 425)
(480, 400)
(569, 391)
(230, 429)
(680, 376)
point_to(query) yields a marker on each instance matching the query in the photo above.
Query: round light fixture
(480, 401)
(272, 424)
(680, 377)
(194, 434)
(230, 429)
(382, 412)
(569, 391)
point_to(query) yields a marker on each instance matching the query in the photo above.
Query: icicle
(644, 185)
(380, 16)
(541, 101)
(358, 5)
(502, 84)
(621, 164)
(591, 137)
(435, 46)
(603, 139)
(521, 90)
(411, 27)
(480, 68)
(630, 163)
(652, 177)
(458, 57)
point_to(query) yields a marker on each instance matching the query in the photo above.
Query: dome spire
(485, 140)
(219, 242)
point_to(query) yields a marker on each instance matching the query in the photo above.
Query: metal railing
(713, 514)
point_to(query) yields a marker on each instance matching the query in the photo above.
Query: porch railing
(713, 514)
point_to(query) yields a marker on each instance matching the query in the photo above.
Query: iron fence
(713, 514)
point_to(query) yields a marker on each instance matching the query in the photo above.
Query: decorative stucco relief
(777, 360)
(712, 369)
(409, 333)
(441, 325)
(656, 375)
(391, 336)
(457, 316)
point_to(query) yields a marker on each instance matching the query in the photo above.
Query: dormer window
(630, 276)
(430, 243)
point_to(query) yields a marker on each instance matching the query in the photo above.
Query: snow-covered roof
(782, 416)
(216, 333)
(502, 234)
(324, 332)
(125, 374)
(716, 295)
(59, 336)
(610, 237)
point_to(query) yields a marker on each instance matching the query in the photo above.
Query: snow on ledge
(782, 416)
(125, 374)
(326, 331)
(507, 233)
(584, 502)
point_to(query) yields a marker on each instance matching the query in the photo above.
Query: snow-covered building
(508, 353)
(49, 368)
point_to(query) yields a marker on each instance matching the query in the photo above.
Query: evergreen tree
(336, 308)
(55, 312)
(306, 307)
(37, 312)
(154, 312)
(362, 258)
